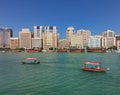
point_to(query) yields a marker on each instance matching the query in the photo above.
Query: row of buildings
(83, 38)
(46, 37)
(41, 38)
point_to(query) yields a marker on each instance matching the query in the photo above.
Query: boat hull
(77, 50)
(33, 51)
(96, 50)
(30, 63)
(95, 70)
(61, 50)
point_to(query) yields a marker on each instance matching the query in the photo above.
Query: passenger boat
(31, 61)
(94, 67)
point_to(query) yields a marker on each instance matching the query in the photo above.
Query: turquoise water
(58, 74)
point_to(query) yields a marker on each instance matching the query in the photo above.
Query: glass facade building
(5, 35)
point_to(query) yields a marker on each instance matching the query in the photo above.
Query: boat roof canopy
(93, 63)
(31, 59)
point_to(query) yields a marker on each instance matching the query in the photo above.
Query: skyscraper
(38, 31)
(118, 42)
(37, 40)
(5, 35)
(50, 37)
(86, 35)
(25, 38)
(70, 31)
(76, 41)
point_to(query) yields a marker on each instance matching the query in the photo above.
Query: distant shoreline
(60, 50)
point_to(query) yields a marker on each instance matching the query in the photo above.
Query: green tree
(51, 48)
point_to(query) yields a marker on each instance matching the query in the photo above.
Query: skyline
(96, 16)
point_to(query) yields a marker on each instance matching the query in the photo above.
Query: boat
(117, 51)
(44, 50)
(94, 67)
(31, 61)
(96, 50)
(61, 50)
(33, 50)
(77, 50)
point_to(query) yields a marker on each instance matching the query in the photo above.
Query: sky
(94, 15)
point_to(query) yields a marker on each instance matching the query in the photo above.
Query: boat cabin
(31, 61)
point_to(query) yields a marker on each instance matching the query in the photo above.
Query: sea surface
(58, 74)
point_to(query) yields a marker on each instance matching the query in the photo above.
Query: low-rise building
(108, 39)
(37, 43)
(14, 43)
(94, 41)
(64, 44)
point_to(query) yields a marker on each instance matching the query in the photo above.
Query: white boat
(44, 50)
(31, 61)
(3, 51)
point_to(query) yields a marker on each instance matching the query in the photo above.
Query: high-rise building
(25, 38)
(38, 30)
(108, 39)
(37, 40)
(70, 31)
(94, 41)
(76, 41)
(5, 35)
(50, 37)
(14, 43)
(86, 35)
(118, 42)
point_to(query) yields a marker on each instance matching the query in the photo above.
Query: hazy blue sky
(94, 15)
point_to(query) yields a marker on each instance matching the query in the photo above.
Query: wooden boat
(96, 50)
(94, 67)
(77, 50)
(61, 50)
(31, 61)
(33, 50)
